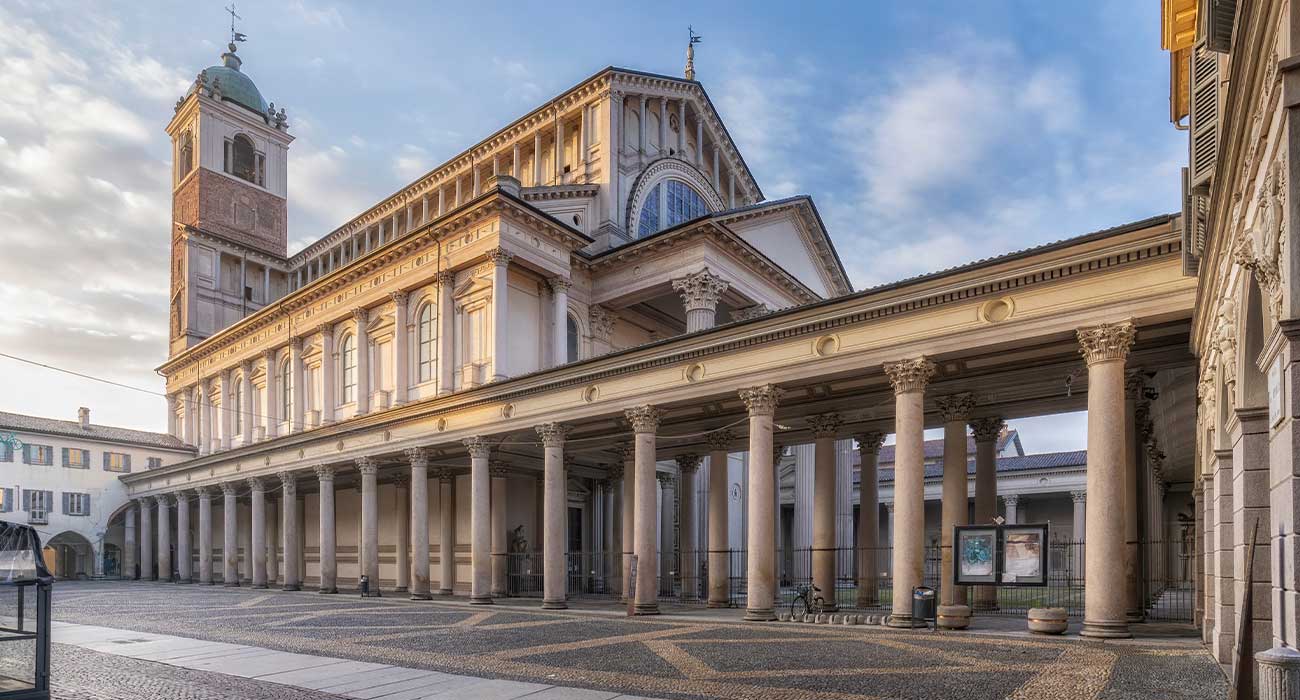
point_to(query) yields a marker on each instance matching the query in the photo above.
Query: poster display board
(1000, 555)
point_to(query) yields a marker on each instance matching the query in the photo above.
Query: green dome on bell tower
(233, 84)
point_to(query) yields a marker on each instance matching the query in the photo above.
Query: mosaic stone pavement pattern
(667, 657)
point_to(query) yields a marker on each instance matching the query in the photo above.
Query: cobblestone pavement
(690, 657)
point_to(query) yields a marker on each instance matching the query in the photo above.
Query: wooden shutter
(1204, 120)
(126, 463)
(66, 496)
(106, 459)
(27, 454)
(66, 461)
(6, 452)
(49, 500)
(1219, 16)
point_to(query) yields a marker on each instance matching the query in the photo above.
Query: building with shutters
(63, 478)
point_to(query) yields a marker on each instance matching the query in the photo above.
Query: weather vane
(693, 39)
(234, 35)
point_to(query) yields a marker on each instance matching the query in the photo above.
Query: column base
(719, 604)
(480, 600)
(1105, 629)
(1277, 673)
(760, 614)
(232, 584)
(185, 581)
(1134, 618)
(446, 592)
(421, 596)
(554, 605)
(328, 591)
(985, 606)
(292, 587)
(500, 594)
(646, 609)
(260, 586)
(905, 622)
(400, 589)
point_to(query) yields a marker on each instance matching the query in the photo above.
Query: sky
(929, 134)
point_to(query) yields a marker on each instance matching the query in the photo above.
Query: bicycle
(805, 601)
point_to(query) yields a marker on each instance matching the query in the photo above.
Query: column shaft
(419, 524)
(403, 526)
(289, 534)
(480, 526)
(554, 572)
(130, 543)
(956, 503)
(869, 551)
(628, 514)
(205, 535)
(760, 571)
(987, 430)
(687, 542)
(183, 551)
(164, 540)
(447, 534)
(500, 535)
(369, 522)
(645, 421)
(719, 554)
(257, 525)
(328, 561)
(229, 532)
(909, 379)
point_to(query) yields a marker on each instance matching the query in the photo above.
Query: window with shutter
(1204, 122)
(7, 506)
(66, 498)
(27, 454)
(1219, 17)
(6, 452)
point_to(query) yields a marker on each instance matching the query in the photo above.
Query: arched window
(286, 390)
(184, 155)
(237, 404)
(670, 203)
(243, 161)
(572, 336)
(424, 343)
(349, 351)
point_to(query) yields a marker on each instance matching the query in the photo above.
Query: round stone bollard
(1048, 620)
(1279, 673)
(783, 617)
(953, 617)
(835, 619)
(871, 619)
(809, 617)
(850, 619)
(821, 617)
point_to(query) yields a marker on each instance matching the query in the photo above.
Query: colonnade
(1104, 347)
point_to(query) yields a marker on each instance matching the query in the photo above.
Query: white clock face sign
(735, 493)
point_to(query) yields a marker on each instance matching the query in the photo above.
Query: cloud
(759, 99)
(317, 16)
(411, 161)
(520, 84)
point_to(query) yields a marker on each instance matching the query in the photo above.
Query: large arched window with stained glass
(671, 202)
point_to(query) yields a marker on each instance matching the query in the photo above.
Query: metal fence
(683, 578)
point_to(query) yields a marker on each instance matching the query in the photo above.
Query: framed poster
(1024, 555)
(976, 555)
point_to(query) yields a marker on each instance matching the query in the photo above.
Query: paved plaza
(697, 654)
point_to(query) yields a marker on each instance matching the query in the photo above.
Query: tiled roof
(102, 433)
(934, 448)
(1045, 460)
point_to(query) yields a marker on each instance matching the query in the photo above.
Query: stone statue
(518, 543)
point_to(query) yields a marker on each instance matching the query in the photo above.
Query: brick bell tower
(229, 192)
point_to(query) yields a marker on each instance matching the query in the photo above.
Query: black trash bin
(923, 603)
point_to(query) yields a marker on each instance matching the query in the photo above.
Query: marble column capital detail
(499, 257)
(688, 463)
(1011, 499)
(229, 488)
(203, 491)
(908, 376)
(869, 443)
(295, 344)
(324, 472)
(1079, 496)
(398, 297)
(956, 407)
(719, 440)
(269, 356)
(162, 500)
(988, 428)
(289, 483)
(701, 290)
(446, 278)
(602, 321)
(446, 476)
(1134, 384)
(181, 497)
(477, 447)
(401, 481)
(498, 470)
(1106, 342)
(825, 425)
(360, 314)
(666, 479)
(778, 452)
(256, 483)
(246, 367)
(644, 419)
(367, 466)
(552, 434)
(417, 456)
(559, 284)
(627, 451)
(761, 400)
(615, 472)
(889, 506)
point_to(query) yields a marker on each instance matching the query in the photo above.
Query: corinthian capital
(477, 447)
(324, 472)
(720, 440)
(688, 463)
(869, 443)
(956, 407)
(644, 419)
(446, 278)
(552, 434)
(559, 284)
(360, 314)
(761, 400)
(701, 290)
(367, 466)
(417, 457)
(499, 256)
(910, 375)
(1106, 342)
(988, 428)
(826, 425)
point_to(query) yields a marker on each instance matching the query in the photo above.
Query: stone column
(909, 378)
(257, 523)
(1134, 609)
(628, 514)
(1011, 503)
(401, 348)
(760, 571)
(500, 535)
(824, 574)
(369, 521)
(955, 411)
(402, 550)
(131, 546)
(700, 292)
(289, 534)
(362, 318)
(1225, 614)
(445, 281)
(204, 430)
(500, 260)
(667, 540)
(689, 558)
(328, 563)
(329, 373)
(297, 386)
(184, 554)
(271, 397)
(616, 553)
(645, 423)
(229, 535)
(205, 535)
(246, 410)
(560, 334)
(480, 526)
(1105, 348)
(1080, 499)
(164, 538)
(147, 571)
(419, 523)
(719, 549)
(987, 431)
(869, 518)
(554, 573)
(446, 533)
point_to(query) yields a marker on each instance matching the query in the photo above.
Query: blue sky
(929, 134)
